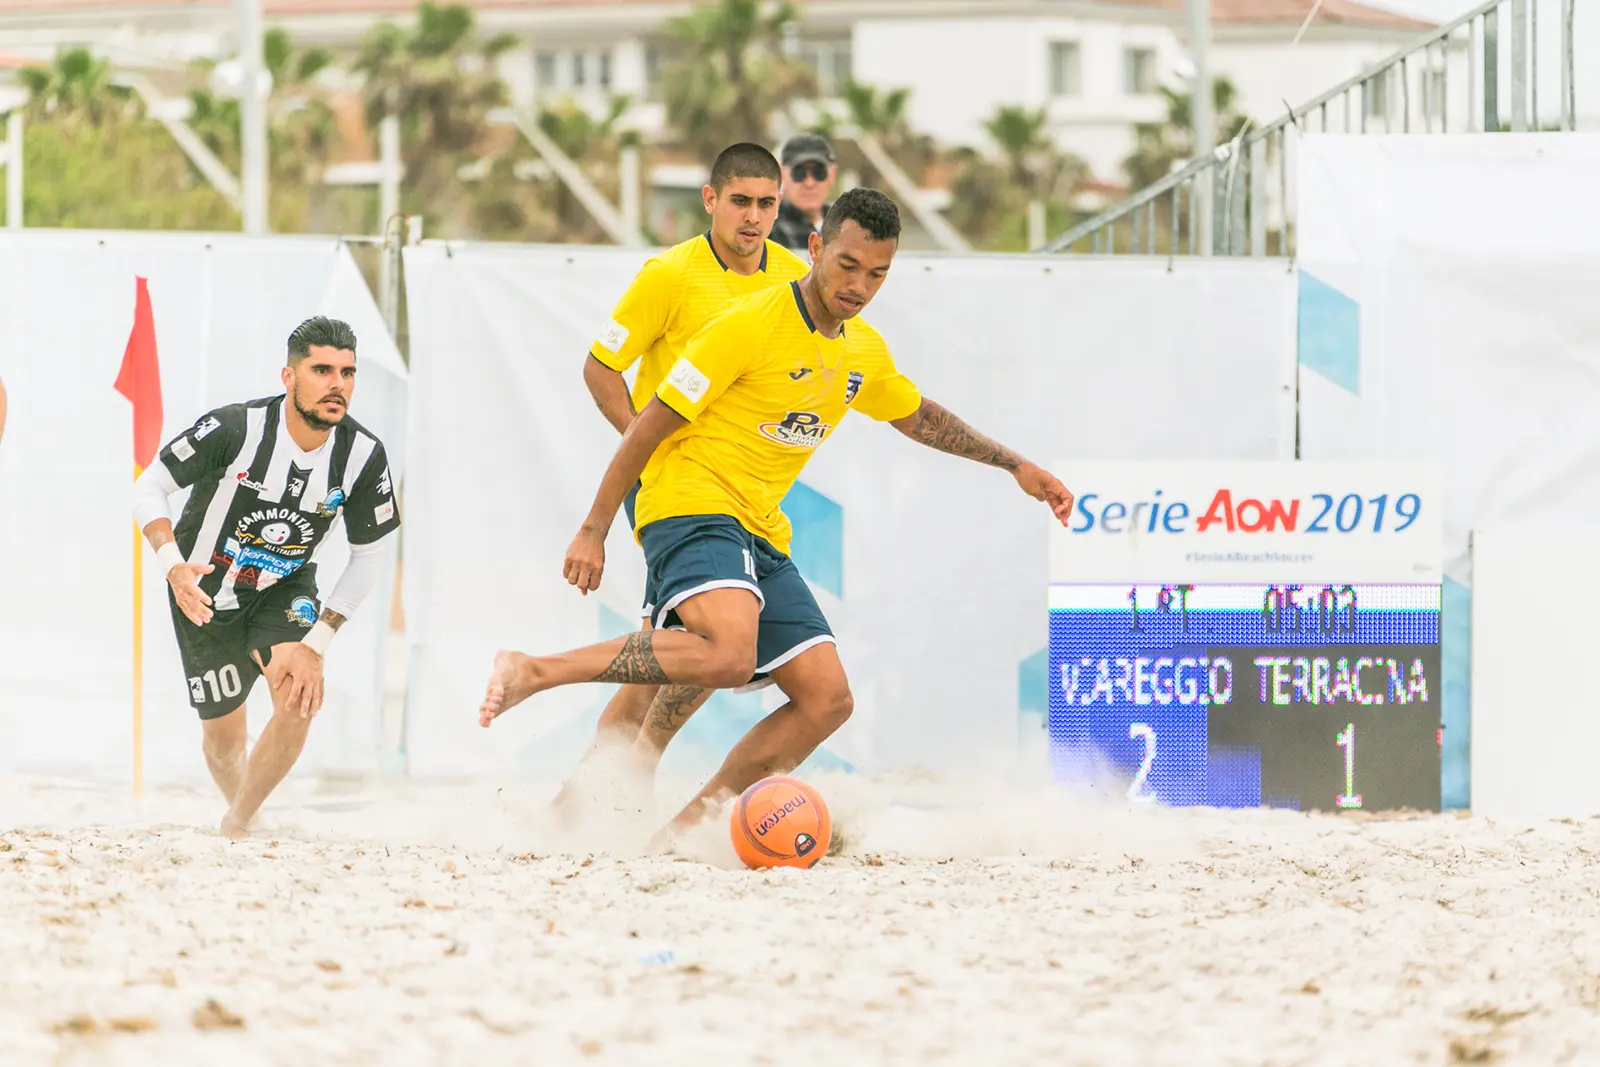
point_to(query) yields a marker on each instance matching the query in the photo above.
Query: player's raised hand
(295, 677)
(586, 560)
(185, 581)
(1042, 485)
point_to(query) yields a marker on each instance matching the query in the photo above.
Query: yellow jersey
(762, 389)
(668, 301)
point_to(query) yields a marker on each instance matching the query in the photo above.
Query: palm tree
(881, 113)
(1161, 147)
(442, 88)
(301, 130)
(1033, 162)
(520, 198)
(732, 74)
(76, 88)
(992, 200)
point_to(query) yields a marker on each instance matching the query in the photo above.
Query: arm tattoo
(672, 707)
(636, 664)
(332, 618)
(938, 428)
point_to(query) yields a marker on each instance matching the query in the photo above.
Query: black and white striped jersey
(261, 508)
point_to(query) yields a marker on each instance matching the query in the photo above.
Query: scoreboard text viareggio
(1247, 634)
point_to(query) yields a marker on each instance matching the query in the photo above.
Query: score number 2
(1136, 791)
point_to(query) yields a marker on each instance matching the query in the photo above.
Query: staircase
(1237, 200)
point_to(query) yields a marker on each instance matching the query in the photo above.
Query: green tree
(442, 87)
(732, 75)
(883, 114)
(95, 161)
(76, 89)
(990, 197)
(301, 130)
(1162, 147)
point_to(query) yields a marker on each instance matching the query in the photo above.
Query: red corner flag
(140, 378)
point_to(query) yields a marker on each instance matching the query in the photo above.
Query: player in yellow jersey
(668, 301)
(729, 430)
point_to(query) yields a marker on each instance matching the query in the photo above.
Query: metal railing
(1236, 199)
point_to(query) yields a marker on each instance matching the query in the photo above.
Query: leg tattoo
(673, 706)
(636, 664)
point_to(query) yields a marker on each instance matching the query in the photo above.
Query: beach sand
(402, 923)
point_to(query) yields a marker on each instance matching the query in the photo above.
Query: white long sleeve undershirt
(156, 485)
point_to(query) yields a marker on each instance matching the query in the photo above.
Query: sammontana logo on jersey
(803, 429)
(273, 529)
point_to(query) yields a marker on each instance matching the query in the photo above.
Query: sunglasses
(816, 171)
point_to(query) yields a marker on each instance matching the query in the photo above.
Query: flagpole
(138, 654)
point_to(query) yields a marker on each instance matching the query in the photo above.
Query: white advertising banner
(223, 307)
(1251, 522)
(930, 568)
(1447, 314)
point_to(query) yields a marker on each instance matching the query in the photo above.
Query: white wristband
(169, 556)
(317, 640)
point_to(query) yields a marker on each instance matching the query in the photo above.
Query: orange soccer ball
(780, 822)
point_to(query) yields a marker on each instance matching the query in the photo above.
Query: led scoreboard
(1248, 634)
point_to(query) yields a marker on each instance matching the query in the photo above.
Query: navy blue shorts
(630, 502)
(696, 553)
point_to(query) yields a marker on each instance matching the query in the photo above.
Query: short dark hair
(744, 160)
(320, 330)
(871, 210)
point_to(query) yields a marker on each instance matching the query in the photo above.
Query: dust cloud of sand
(962, 923)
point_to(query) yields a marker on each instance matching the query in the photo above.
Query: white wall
(961, 69)
(224, 306)
(939, 566)
(1267, 73)
(1535, 716)
(1455, 279)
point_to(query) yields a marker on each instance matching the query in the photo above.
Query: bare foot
(514, 680)
(232, 828)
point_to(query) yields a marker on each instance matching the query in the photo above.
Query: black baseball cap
(804, 147)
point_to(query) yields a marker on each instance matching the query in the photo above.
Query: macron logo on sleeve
(687, 379)
(613, 337)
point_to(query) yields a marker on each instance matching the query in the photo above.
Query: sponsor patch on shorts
(183, 449)
(383, 512)
(687, 379)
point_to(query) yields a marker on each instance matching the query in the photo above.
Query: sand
(402, 924)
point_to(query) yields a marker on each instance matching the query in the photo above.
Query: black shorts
(216, 656)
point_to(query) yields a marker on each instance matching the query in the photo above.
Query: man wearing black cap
(808, 173)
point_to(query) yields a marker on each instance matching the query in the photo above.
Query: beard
(313, 418)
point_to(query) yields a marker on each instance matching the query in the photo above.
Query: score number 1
(1347, 741)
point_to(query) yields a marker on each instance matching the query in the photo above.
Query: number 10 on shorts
(223, 683)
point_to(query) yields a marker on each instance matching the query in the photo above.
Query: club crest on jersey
(803, 429)
(852, 385)
(302, 610)
(330, 506)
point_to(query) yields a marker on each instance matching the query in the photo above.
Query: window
(1139, 71)
(830, 61)
(1375, 96)
(1065, 69)
(544, 70)
(580, 69)
(603, 74)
